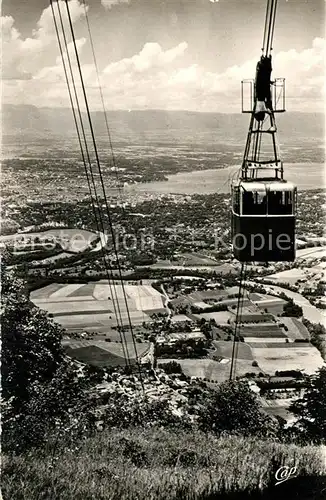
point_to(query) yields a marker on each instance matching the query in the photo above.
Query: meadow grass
(148, 464)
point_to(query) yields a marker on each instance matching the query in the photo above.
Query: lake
(306, 176)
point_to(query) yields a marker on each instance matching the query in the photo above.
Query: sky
(163, 54)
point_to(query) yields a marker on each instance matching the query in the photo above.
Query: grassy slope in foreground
(159, 464)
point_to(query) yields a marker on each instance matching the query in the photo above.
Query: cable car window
(236, 200)
(280, 203)
(254, 203)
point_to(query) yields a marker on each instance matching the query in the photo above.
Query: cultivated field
(96, 306)
(221, 317)
(194, 259)
(262, 332)
(54, 258)
(295, 329)
(311, 252)
(273, 305)
(98, 321)
(95, 356)
(179, 318)
(213, 370)
(101, 353)
(290, 276)
(207, 294)
(224, 349)
(310, 312)
(201, 305)
(272, 359)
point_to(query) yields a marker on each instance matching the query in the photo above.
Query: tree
(31, 343)
(317, 335)
(42, 391)
(234, 408)
(206, 330)
(311, 409)
(171, 367)
(292, 310)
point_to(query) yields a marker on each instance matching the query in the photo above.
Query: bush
(171, 367)
(291, 309)
(234, 408)
(133, 451)
(289, 373)
(121, 412)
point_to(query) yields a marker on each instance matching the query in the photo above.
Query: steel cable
(91, 181)
(108, 213)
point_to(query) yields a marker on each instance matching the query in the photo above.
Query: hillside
(31, 123)
(165, 464)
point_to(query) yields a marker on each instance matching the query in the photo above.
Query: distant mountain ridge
(27, 120)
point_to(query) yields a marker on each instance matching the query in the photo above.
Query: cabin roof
(264, 185)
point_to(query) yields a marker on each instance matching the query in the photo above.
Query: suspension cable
(102, 185)
(126, 355)
(273, 24)
(269, 27)
(100, 229)
(237, 321)
(102, 99)
(114, 163)
(265, 28)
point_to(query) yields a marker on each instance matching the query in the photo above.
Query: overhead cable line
(113, 160)
(102, 99)
(114, 163)
(237, 321)
(89, 175)
(99, 217)
(108, 213)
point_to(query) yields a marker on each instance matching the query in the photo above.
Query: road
(310, 252)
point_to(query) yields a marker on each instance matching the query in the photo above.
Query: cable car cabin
(263, 221)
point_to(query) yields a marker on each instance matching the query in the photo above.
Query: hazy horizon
(318, 112)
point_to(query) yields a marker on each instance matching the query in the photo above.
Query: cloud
(151, 57)
(22, 58)
(185, 75)
(154, 77)
(107, 4)
(304, 72)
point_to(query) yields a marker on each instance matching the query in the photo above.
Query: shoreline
(218, 180)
